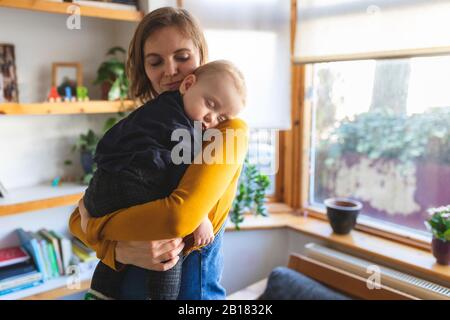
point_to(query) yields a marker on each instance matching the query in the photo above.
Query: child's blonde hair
(228, 68)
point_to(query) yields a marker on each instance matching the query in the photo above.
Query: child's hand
(204, 234)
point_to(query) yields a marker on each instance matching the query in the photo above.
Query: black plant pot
(342, 214)
(87, 161)
(441, 251)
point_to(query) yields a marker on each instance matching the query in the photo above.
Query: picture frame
(9, 90)
(67, 74)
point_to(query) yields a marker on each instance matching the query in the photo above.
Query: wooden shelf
(95, 106)
(62, 8)
(40, 197)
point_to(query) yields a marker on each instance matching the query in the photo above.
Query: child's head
(215, 92)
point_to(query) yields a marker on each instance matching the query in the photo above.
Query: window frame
(295, 158)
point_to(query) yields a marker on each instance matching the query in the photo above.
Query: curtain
(254, 35)
(334, 30)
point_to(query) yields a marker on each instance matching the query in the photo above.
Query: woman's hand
(84, 214)
(158, 255)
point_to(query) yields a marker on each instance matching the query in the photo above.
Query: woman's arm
(182, 211)
(151, 255)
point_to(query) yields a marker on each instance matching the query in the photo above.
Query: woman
(167, 46)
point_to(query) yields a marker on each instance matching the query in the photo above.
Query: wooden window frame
(294, 147)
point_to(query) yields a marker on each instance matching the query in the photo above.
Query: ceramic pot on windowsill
(441, 251)
(342, 214)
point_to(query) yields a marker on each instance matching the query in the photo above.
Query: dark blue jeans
(200, 280)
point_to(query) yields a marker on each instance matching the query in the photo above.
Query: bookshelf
(40, 197)
(44, 196)
(95, 106)
(62, 8)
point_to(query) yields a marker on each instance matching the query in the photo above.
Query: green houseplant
(112, 76)
(439, 225)
(250, 195)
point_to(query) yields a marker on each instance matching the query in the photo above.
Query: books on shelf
(20, 282)
(16, 270)
(42, 256)
(82, 251)
(51, 252)
(31, 245)
(12, 255)
(65, 246)
(114, 5)
(56, 251)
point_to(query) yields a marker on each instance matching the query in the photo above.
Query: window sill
(402, 256)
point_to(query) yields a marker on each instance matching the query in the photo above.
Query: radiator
(406, 283)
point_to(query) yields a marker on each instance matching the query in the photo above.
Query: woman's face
(169, 57)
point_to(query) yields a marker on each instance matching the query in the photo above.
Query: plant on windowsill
(112, 77)
(251, 193)
(439, 225)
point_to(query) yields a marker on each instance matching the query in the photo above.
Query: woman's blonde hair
(140, 86)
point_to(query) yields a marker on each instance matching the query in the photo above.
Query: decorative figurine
(68, 96)
(82, 94)
(53, 96)
(56, 181)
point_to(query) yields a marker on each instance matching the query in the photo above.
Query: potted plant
(86, 145)
(439, 225)
(251, 193)
(112, 77)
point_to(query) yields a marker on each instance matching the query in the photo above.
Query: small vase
(87, 161)
(441, 251)
(342, 214)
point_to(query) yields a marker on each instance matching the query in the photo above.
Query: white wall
(250, 256)
(52, 219)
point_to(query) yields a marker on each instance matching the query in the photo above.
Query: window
(262, 152)
(381, 135)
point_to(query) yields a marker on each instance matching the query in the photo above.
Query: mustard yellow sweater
(205, 189)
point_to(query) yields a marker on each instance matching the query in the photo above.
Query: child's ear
(187, 83)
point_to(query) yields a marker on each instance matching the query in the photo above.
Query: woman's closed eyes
(156, 62)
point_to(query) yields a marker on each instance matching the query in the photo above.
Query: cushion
(287, 284)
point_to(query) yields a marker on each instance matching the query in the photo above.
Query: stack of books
(17, 270)
(51, 252)
(42, 256)
(84, 257)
